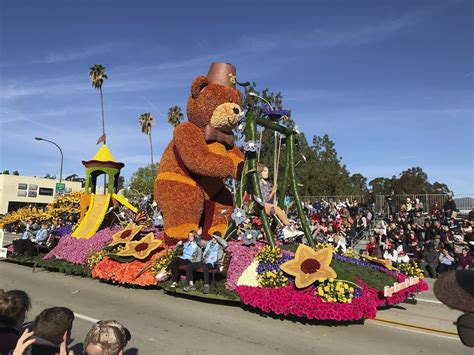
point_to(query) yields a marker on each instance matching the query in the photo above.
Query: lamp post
(62, 157)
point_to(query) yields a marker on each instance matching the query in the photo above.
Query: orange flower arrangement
(309, 266)
(126, 235)
(142, 248)
(135, 272)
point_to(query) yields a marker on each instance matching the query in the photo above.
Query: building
(20, 191)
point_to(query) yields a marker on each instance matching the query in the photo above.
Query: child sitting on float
(212, 257)
(268, 192)
(191, 253)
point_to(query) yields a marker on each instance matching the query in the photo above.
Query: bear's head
(214, 99)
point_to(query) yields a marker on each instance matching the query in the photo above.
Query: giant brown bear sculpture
(189, 188)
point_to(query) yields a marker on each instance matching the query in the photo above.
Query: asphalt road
(163, 324)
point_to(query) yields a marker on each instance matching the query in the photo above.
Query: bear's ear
(198, 84)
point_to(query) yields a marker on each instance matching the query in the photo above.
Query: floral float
(314, 283)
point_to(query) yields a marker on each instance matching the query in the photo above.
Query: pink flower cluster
(303, 303)
(241, 257)
(402, 295)
(77, 251)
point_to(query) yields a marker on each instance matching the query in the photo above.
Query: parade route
(163, 324)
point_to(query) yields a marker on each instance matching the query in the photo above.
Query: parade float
(285, 277)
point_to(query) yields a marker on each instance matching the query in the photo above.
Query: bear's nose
(236, 110)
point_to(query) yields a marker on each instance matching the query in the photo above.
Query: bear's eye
(236, 110)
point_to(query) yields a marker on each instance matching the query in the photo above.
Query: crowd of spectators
(51, 330)
(436, 241)
(340, 222)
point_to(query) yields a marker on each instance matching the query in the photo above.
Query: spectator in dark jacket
(449, 207)
(464, 259)
(430, 261)
(52, 329)
(14, 306)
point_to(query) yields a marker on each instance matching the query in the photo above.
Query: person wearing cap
(107, 337)
(456, 290)
(402, 257)
(212, 257)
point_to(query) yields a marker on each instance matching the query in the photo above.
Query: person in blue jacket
(191, 253)
(212, 257)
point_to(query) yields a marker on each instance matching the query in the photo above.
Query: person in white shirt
(391, 254)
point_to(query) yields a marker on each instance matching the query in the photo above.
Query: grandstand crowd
(437, 241)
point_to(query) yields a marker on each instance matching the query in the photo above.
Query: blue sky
(391, 82)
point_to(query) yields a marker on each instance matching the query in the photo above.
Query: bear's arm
(192, 148)
(238, 159)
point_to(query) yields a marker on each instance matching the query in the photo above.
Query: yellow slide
(94, 216)
(122, 200)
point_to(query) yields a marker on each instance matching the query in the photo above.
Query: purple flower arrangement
(241, 257)
(77, 251)
(263, 267)
(62, 231)
(363, 264)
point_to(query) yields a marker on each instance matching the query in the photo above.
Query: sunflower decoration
(141, 249)
(126, 235)
(382, 262)
(309, 266)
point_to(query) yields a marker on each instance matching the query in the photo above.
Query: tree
(16, 173)
(332, 177)
(146, 120)
(97, 75)
(359, 184)
(175, 116)
(6, 172)
(143, 179)
(121, 183)
(411, 181)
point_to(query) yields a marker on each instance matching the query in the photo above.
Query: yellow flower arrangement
(64, 204)
(96, 258)
(411, 269)
(268, 254)
(126, 235)
(325, 246)
(309, 266)
(335, 291)
(142, 248)
(272, 279)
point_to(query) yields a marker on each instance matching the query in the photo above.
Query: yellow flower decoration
(126, 235)
(232, 78)
(309, 266)
(142, 248)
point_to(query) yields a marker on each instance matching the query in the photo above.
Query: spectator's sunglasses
(465, 325)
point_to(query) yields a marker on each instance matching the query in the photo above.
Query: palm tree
(146, 120)
(175, 116)
(97, 76)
